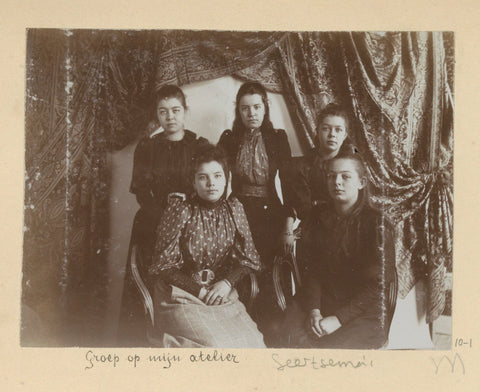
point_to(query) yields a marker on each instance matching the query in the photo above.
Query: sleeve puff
(201, 141)
(142, 174)
(284, 153)
(227, 143)
(244, 251)
(297, 194)
(224, 140)
(284, 160)
(167, 253)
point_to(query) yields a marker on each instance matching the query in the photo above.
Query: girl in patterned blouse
(204, 249)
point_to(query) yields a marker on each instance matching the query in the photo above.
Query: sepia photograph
(238, 189)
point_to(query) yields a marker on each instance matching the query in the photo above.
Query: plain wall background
(211, 110)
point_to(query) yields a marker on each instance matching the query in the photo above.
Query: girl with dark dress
(256, 153)
(350, 258)
(204, 249)
(307, 186)
(162, 163)
(162, 167)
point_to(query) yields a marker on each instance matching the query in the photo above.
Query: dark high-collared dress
(350, 263)
(160, 167)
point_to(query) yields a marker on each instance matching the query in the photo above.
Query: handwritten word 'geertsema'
(318, 363)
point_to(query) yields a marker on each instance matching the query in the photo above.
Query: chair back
(140, 283)
(392, 292)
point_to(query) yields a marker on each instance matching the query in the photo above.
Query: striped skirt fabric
(183, 320)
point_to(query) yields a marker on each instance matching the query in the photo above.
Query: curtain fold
(138, 63)
(398, 87)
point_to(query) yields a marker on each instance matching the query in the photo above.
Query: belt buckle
(204, 277)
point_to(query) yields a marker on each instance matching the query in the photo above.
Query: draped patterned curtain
(308, 79)
(141, 62)
(398, 87)
(66, 183)
(90, 92)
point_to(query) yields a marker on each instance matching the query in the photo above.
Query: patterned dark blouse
(197, 235)
(252, 163)
(278, 154)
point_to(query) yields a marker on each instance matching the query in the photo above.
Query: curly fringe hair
(210, 153)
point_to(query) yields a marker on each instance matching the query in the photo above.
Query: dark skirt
(266, 222)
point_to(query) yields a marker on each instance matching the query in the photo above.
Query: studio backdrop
(90, 93)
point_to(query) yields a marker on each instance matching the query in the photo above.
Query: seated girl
(204, 249)
(350, 257)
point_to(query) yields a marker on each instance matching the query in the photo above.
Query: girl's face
(210, 181)
(171, 114)
(331, 133)
(343, 181)
(252, 110)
